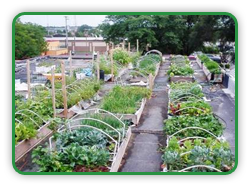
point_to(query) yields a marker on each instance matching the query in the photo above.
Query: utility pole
(48, 24)
(75, 35)
(66, 24)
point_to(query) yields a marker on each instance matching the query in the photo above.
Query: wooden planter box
(210, 77)
(156, 72)
(182, 79)
(121, 152)
(25, 146)
(135, 118)
(200, 64)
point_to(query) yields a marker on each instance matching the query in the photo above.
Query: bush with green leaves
(105, 65)
(125, 99)
(122, 56)
(134, 58)
(208, 122)
(210, 152)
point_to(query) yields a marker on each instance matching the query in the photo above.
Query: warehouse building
(79, 44)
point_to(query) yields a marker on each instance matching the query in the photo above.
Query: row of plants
(125, 99)
(122, 56)
(31, 114)
(194, 134)
(180, 66)
(211, 65)
(83, 149)
(148, 64)
(77, 90)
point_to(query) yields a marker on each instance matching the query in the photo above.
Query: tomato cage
(109, 125)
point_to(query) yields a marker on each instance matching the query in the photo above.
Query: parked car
(192, 56)
(214, 58)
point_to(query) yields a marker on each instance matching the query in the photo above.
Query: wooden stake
(28, 78)
(150, 81)
(123, 44)
(137, 45)
(64, 91)
(129, 47)
(112, 65)
(53, 91)
(98, 66)
(70, 64)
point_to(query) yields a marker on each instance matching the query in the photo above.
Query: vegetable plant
(208, 122)
(191, 108)
(211, 65)
(125, 99)
(81, 148)
(210, 152)
(122, 56)
(184, 70)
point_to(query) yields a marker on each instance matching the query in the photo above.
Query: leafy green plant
(82, 90)
(24, 131)
(125, 99)
(227, 66)
(193, 108)
(105, 65)
(83, 136)
(82, 147)
(211, 152)
(27, 123)
(208, 122)
(49, 161)
(113, 122)
(122, 56)
(185, 90)
(134, 58)
(184, 70)
(211, 65)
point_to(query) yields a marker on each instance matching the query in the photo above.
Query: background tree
(29, 40)
(177, 34)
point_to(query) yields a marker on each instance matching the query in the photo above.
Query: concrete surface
(143, 153)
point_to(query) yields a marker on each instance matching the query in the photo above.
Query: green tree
(29, 40)
(177, 34)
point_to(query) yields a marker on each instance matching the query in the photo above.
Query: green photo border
(124, 13)
(236, 183)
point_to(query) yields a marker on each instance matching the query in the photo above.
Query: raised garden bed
(127, 102)
(180, 70)
(134, 118)
(196, 154)
(195, 140)
(89, 143)
(211, 69)
(27, 145)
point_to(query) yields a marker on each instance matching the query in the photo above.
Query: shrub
(121, 56)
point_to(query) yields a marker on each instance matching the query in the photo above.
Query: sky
(59, 20)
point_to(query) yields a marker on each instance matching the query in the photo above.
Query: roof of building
(72, 38)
